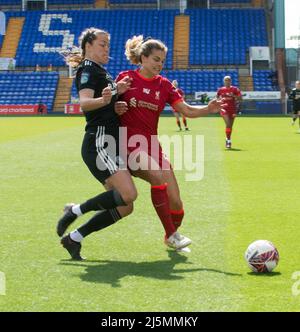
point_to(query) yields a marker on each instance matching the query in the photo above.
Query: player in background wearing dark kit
(98, 94)
(295, 97)
(177, 115)
(232, 96)
(139, 110)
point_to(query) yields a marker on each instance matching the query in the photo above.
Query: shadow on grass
(111, 271)
(235, 150)
(265, 275)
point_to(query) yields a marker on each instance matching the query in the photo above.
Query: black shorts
(296, 111)
(100, 151)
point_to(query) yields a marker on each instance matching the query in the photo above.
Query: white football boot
(178, 241)
(185, 250)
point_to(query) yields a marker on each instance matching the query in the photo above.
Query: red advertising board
(73, 109)
(22, 109)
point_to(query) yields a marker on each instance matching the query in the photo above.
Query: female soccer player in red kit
(140, 111)
(231, 96)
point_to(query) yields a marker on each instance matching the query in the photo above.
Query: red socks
(160, 202)
(177, 217)
(228, 132)
(184, 121)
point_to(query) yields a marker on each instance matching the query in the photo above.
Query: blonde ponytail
(138, 46)
(133, 49)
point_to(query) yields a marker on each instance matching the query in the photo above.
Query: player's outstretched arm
(214, 106)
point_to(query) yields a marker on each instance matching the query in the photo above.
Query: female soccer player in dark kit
(97, 94)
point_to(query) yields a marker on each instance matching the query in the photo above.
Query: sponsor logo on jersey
(132, 102)
(84, 78)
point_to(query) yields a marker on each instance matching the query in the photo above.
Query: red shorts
(229, 113)
(144, 152)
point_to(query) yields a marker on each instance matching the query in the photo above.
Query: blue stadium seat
(230, 1)
(50, 2)
(132, 1)
(223, 36)
(28, 88)
(1, 40)
(70, 2)
(10, 2)
(191, 81)
(265, 80)
(46, 34)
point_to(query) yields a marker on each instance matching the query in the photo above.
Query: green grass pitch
(249, 193)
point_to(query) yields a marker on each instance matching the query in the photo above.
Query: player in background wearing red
(177, 115)
(139, 113)
(232, 96)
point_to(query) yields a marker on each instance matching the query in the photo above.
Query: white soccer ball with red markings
(262, 256)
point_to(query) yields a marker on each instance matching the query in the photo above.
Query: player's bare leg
(177, 116)
(185, 123)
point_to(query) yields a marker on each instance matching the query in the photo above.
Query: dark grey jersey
(91, 75)
(295, 96)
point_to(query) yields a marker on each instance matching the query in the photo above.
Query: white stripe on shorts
(102, 153)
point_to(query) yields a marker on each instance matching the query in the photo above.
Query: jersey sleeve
(88, 79)
(219, 93)
(181, 92)
(121, 76)
(238, 92)
(173, 95)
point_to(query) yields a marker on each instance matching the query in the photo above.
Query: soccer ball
(262, 256)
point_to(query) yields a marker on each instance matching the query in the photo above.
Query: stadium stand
(28, 88)
(50, 2)
(218, 39)
(70, 2)
(201, 80)
(145, 4)
(231, 1)
(74, 94)
(112, 2)
(264, 80)
(57, 31)
(223, 37)
(10, 2)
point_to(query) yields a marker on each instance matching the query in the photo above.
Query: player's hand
(121, 107)
(216, 106)
(124, 84)
(106, 95)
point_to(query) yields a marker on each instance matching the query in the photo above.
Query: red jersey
(146, 99)
(229, 94)
(180, 92)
